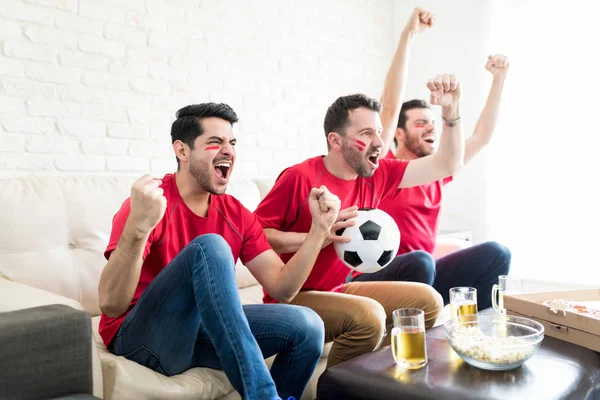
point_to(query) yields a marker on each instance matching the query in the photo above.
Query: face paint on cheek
(359, 145)
(212, 148)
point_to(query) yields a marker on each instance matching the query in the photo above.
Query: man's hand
(148, 204)
(498, 65)
(419, 21)
(445, 90)
(345, 219)
(324, 207)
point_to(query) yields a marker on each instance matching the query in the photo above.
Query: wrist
(135, 231)
(451, 112)
(407, 34)
(319, 232)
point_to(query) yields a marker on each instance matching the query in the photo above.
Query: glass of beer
(463, 304)
(408, 338)
(506, 285)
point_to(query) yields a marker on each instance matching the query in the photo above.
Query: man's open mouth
(374, 159)
(222, 169)
(430, 139)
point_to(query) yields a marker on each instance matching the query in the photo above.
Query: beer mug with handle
(506, 285)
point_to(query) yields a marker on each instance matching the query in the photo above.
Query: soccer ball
(374, 241)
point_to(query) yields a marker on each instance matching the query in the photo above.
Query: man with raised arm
(168, 293)
(416, 209)
(355, 314)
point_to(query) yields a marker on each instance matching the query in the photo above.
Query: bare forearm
(285, 242)
(298, 268)
(393, 90)
(121, 274)
(489, 115)
(451, 151)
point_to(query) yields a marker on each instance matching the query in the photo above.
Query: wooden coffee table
(558, 370)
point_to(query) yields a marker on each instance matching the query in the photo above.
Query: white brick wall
(91, 86)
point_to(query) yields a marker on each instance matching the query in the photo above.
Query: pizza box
(558, 322)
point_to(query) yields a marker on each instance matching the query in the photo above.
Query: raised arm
(283, 282)
(498, 66)
(445, 92)
(121, 274)
(395, 80)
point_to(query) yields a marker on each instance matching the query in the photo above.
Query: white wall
(457, 44)
(91, 86)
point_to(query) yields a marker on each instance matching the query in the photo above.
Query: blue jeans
(477, 266)
(191, 316)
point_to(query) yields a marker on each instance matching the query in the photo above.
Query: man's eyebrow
(220, 139)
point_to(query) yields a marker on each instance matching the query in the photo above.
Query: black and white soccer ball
(375, 239)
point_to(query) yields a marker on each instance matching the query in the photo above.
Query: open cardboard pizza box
(561, 324)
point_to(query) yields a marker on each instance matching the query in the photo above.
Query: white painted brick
(128, 131)
(104, 146)
(105, 80)
(104, 12)
(187, 30)
(146, 55)
(53, 73)
(26, 12)
(53, 108)
(79, 162)
(29, 162)
(74, 127)
(27, 89)
(66, 5)
(103, 112)
(163, 73)
(30, 51)
(139, 5)
(127, 164)
(10, 29)
(51, 144)
(11, 105)
(3, 174)
(167, 9)
(149, 86)
(11, 67)
(79, 24)
(82, 94)
(101, 46)
(194, 62)
(125, 33)
(150, 149)
(12, 143)
(163, 165)
(167, 42)
(83, 60)
(23, 124)
(51, 37)
(122, 67)
(146, 22)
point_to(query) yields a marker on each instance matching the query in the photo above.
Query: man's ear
(182, 150)
(334, 139)
(400, 135)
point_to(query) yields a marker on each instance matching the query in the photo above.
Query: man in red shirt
(416, 209)
(168, 293)
(355, 314)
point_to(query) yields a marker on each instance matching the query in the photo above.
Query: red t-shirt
(179, 226)
(416, 211)
(286, 208)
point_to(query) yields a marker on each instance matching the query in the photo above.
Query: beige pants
(356, 319)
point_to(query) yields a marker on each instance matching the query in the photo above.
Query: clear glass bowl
(495, 342)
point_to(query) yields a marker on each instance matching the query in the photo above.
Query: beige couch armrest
(16, 296)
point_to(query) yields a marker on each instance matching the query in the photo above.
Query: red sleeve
(390, 175)
(280, 207)
(118, 224)
(447, 179)
(255, 241)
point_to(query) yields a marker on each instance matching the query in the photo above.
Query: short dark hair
(406, 106)
(337, 117)
(188, 125)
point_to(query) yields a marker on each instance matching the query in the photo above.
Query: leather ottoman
(558, 370)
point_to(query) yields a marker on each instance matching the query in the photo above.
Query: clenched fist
(445, 90)
(498, 65)
(148, 204)
(419, 20)
(324, 207)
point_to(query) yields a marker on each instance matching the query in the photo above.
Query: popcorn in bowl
(495, 342)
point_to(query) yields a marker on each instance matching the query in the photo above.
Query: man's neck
(338, 167)
(193, 195)
(402, 153)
